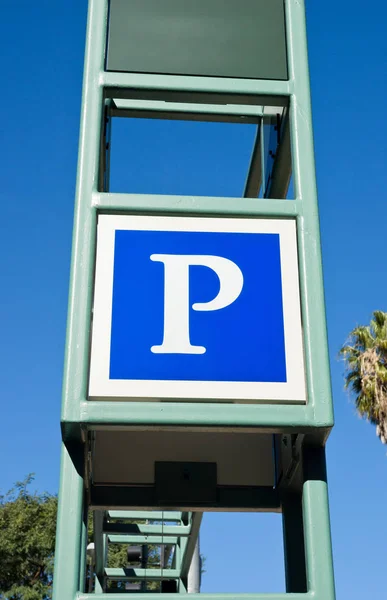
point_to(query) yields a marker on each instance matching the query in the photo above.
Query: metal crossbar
(128, 527)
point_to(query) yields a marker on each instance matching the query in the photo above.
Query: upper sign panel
(197, 308)
(215, 38)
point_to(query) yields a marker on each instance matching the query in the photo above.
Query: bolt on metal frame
(211, 97)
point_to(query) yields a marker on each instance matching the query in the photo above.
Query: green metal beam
(148, 574)
(168, 113)
(147, 203)
(133, 529)
(236, 110)
(142, 539)
(263, 417)
(208, 90)
(226, 112)
(151, 515)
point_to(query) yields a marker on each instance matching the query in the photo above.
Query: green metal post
(318, 540)
(318, 545)
(311, 280)
(69, 533)
(82, 269)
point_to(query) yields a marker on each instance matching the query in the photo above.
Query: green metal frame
(90, 201)
(183, 535)
(314, 419)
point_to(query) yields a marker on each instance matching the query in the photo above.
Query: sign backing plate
(249, 350)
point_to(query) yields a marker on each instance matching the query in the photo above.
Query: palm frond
(365, 357)
(379, 322)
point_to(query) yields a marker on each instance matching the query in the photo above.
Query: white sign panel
(197, 308)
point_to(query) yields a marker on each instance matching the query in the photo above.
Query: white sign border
(103, 388)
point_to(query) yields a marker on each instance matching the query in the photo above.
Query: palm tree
(365, 355)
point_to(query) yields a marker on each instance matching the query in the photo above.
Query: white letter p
(176, 338)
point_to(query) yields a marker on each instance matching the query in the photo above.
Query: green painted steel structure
(300, 430)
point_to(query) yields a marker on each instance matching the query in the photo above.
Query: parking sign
(196, 308)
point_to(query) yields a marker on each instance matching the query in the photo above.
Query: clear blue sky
(42, 66)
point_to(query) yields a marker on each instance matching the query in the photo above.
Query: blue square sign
(196, 308)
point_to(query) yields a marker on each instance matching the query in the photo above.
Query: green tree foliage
(365, 355)
(27, 543)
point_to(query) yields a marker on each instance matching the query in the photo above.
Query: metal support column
(69, 533)
(318, 544)
(193, 579)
